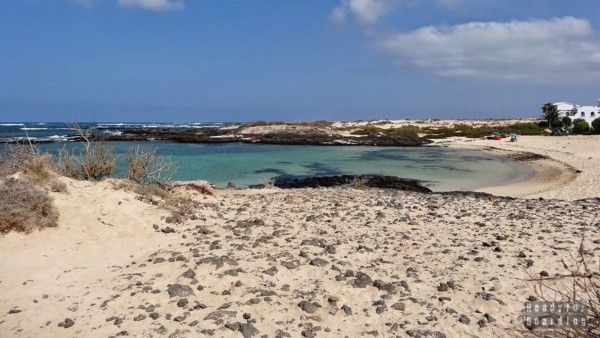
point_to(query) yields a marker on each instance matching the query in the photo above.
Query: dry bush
(372, 130)
(23, 207)
(145, 166)
(359, 182)
(66, 164)
(407, 131)
(14, 156)
(579, 282)
(95, 161)
(38, 169)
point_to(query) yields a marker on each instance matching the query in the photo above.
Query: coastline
(195, 261)
(565, 167)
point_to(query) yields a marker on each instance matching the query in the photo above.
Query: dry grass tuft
(14, 156)
(95, 162)
(24, 207)
(145, 166)
(38, 169)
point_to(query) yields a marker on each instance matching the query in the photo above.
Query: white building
(588, 113)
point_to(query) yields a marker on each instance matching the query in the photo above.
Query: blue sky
(237, 60)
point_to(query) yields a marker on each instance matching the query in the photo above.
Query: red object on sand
(497, 137)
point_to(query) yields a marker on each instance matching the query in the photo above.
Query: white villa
(588, 113)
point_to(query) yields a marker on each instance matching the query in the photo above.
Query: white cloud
(559, 49)
(365, 11)
(154, 5)
(370, 11)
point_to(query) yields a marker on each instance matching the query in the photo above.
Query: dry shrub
(67, 164)
(14, 156)
(145, 166)
(359, 182)
(95, 162)
(579, 282)
(38, 169)
(23, 207)
(371, 130)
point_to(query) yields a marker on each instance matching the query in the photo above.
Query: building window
(592, 114)
(582, 114)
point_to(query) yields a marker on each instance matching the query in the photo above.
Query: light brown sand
(572, 171)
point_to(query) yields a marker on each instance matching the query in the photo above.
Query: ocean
(243, 164)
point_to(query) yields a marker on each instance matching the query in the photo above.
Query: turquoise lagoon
(441, 169)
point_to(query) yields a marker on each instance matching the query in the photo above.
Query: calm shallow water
(245, 164)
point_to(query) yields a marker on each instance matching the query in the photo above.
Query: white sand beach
(571, 170)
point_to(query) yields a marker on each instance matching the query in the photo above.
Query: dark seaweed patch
(321, 169)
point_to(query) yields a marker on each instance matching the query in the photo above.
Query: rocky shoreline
(221, 135)
(215, 136)
(370, 181)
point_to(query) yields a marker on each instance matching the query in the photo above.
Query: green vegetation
(315, 124)
(477, 132)
(463, 130)
(580, 126)
(567, 122)
(405, 131)
(596, 126)
(556, 124)
(550, 113)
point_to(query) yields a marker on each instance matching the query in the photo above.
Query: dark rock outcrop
(373, 181)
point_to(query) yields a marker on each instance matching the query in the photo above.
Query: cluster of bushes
(315, 124)
(577, 126)
(370, 130)
(96, 160)
(463, 130)
(25, 202)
